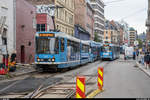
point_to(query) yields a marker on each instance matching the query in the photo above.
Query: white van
(129, 52)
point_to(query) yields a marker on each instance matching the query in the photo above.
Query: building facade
(44, 22)
(148, 27)
(113, 32)
(25, 31)
(132, 36)
(84, 20)
(64, 17)
(126, 32)
(115, 36)
(7, 26)
(89, 20)
(98, 6)
(108, 31)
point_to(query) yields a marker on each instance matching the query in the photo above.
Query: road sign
(136, 43)
(80, 87)
(100, 78)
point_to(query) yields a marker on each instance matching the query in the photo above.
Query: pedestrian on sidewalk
(134, 55)
(137, 53)
(146, 59)
(142, 59)
(13, 62)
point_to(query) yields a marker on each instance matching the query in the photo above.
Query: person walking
(146, 60)
(137, 54)
(148, 57)
(134, 55)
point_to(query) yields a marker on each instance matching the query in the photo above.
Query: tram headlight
(49, 60)
(42, 59)
(38, 60)
(53, 59)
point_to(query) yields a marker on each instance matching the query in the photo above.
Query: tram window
(85, 48)
(43, 46)
(118, 49)
(68, 43)
(57, 46)
(62, 45)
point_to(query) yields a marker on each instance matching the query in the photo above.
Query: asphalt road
(123, 80)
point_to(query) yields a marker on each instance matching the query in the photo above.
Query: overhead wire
(134, 13)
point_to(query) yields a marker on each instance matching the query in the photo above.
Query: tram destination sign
(46, 35)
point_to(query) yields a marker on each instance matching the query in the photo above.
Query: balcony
(147, 22)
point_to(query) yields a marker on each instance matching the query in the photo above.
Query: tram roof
(93, 43)
(110, 44)
(64, 35)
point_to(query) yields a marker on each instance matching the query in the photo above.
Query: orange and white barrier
(100, 78)
(80, 87)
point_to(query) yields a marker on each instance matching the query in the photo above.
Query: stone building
(25, 31)
(113, 32)
(7, 26)
(148, 27)
(98, 6)
(125, 32)
(132, 36)
(84, 20)
(108, 32)
(17, 29)
(44, 22)
(64, 17)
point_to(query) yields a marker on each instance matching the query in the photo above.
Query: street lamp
(52, 13)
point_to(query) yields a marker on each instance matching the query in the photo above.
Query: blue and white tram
(85, 55)
(59, 50)
(110, 51)
(95, 50)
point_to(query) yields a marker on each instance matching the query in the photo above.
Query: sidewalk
(22, 69)
(143, 68)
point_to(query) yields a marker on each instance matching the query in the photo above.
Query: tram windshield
(106, 49)
(46, 46)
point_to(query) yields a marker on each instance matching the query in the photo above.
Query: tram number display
(46, 35)
(106, 45)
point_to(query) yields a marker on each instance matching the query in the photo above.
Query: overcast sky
(134, 12)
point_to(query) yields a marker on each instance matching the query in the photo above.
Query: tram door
(22, 54)
(63, 49)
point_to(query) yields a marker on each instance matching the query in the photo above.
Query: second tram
(110, 51)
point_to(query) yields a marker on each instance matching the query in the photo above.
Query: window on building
(111, 32)
(106, 37)
(43, 27)
(40, 27)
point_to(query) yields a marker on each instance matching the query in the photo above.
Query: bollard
(80, 87)
(100, 78)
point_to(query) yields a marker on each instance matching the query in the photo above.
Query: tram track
(63, 87)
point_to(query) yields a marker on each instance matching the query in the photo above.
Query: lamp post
(52, 13)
